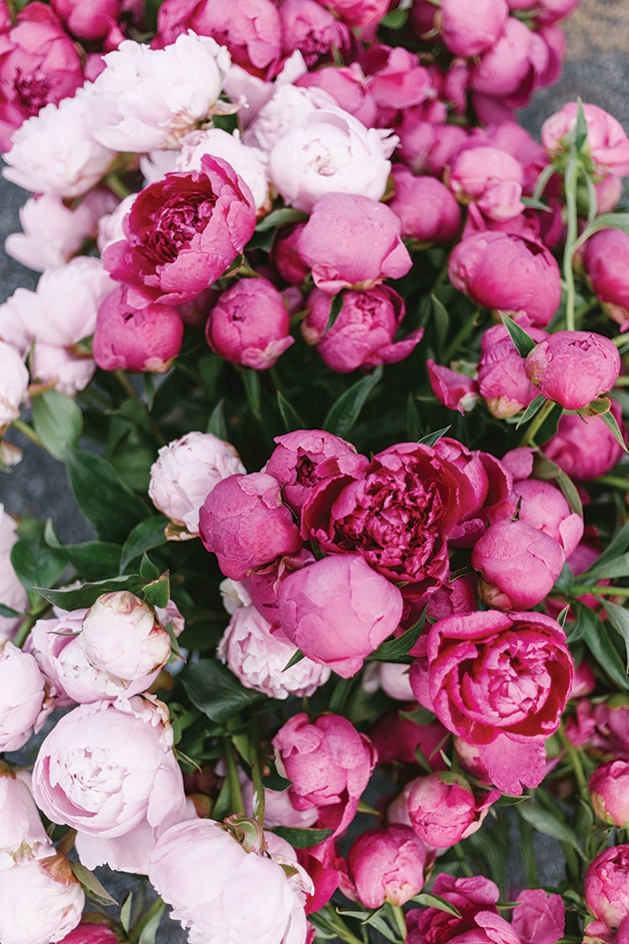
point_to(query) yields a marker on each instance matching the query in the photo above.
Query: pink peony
(456, 391)
(443, 809)
(24, 701)
(584, 447)
(427, 210)
(468, 31)
(606, 263)
(41, 900)
(606, 888)
(348, 87)
(90, 934)
(475, 899)
(489, 177)
(314, 31)
(88, 19)
(249, 324)
(385, 865)
(606, 140)
(338, 610)
(364, 330)
(543, 506)
(13, 384)
(502, 379)
(128, 338)
(244, 522)
(539, 918)
(329, 765)
(22, 833)
(182, 232)
(350, 241)
(609, 790)
(574, 367)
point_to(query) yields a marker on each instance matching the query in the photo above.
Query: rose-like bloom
(55, 151)
(606, 887)
(573, 367)
(502, 379)
(314, 31)
(518, 565)
(225, 893)
(385, 865)
(330, 152)
(249, 324)
(22, 833)
(584, 447)
(543, 506)
(41, 901)
(128, 338)
(109, 771)
(443, 808)
(351, 241)
(250, 163)
(304, 457)
(24, 702)
(121, 636)
(90, 933)
(468, 31)
(38, 64)
(609, 791)
(258, 653)
(456, 391)
(150, 98)
(475, 899)
(426, 209)
(338, 610)
(88, 19)
(244, 522)
(348, 87)
(501, 682)
(491, 178)
(396, 513)
(186, 471)
(364, 330)
(250, 29)
(606, 262)
(509, 71)
(12, 593)
(607, 142)
(52, 232)
(182, 232)
(329, 765)
(507, 272)
(287, 106)
(539, 918)
(13, 384)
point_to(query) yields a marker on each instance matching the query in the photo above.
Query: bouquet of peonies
(331, 350)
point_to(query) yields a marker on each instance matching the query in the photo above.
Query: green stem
(22, 634)
(256, 775)
(400, 920)
(26, 430)
(536, 423)
(153, 914)
(571, 237)
(116, 186)
(615, 481)
(461, 335)
(607, 591)
(577, 766)
(126, 384)
(235, 792)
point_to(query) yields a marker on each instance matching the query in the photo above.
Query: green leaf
(216, 424)
(87, 594)
(413, 427)
(586, 618)
(565, 580)
(581, 130)
(157, 593)
(431, 438)
(280, 218)
(617, 547)
(612, 570)
(619, 618)
(102, 496)
(395, 648)
(441, 319)
(251, 380)
(548, 471)
(125, 912)
(604, 651)
(144, 537)
(149, 389)
(548, 824)
(395, 20)
(58, 422)
(604, 221)
(8, 611)
(436, 901)
(34, 563)
(90, 884)
(610, 421)
(290, 417)
(344, 413)
(92, 560)
(294, 659)
(533, 408)
(215, 691)
(302, 838)
(524, 342)
(148, 570)
(534, 204)
(335, 310)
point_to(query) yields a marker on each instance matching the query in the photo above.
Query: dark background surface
(596, 69)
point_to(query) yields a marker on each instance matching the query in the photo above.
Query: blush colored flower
(607, 142)
(13, 384)
(41, 901)
(24, 702)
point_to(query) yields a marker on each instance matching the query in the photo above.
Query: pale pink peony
(68, 372)
(574, 367)
(42, 901)
(24, 701)
(22, 833)
(13, 384)
(249, 162)
(348, 87)
(249, 324)
(186, 471)
(338, 610)
(258, 653)
(12, 593)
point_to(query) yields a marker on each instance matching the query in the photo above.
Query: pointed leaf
(302, 838)
(547, 470)
(611, 570)
(581, 130)
(604, 651)
(58, 422)
(251, 380)
(436, 901)
(533, 408)
(294, 659)
(148, 570)
(344, 413)
(548, 824)
(103, 497)
(431, 438)
(8, 611)
(619, 618)
(144, 537)
(524, 342)
(610, 421)
(290, 417)
(618, 546)
(216, 424)
(34, 563)
(91, 884)
(215, 691)
(280, 218)
(413, 428)
(335, 311)
(395, 648)
(442, 320)
(87, 594)
(157, 593)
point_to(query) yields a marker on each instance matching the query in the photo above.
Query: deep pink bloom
(182, 233)
(251, 29)
(329, 765)
(359, 13)
(338, 610)
(609, 791)
(489, 177)
(444, 809)
(397, 81)
(285, 255)
(454, 390)
(90, 934)
(38, 64)
(396, 739)
(573, 367)
(518, 565)
(539, 918)
(385, 865)
(502, 379)
(88, 19)
(244, 522)
(543, 506)
(427, 210)
(584, 447)
(397, 514)
(314, 31)
(475, 899)
(143, 340)
(351, 241)
(364, 330)
(507, 272)
(249, 324)
(470, 30)
(510, 70)
(606, 262)
(607, 885)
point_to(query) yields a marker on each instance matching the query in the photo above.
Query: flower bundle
(332, 351)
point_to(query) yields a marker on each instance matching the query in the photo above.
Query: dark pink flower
(182, 233)
(607, 885)
(609, 792)
(364, 330)
(606, 262)
(539, 918)
(88, 19)
(396, 739)
(348, 86)
(468, 31)
(244, 522)
(543, 506)
(511, 70)
(584, 447)
(573, 367)
(444, 809)
(427, 210)
(90, 934)
(489, 177)
(502, 379)
(454, 390)
(314, 31)
(385, 865)
(475, 899)
(127, 338)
